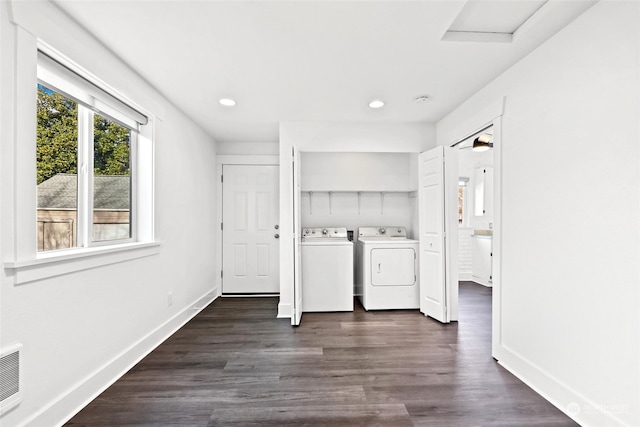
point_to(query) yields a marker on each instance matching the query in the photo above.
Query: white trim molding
(69, 261)
(284, 311)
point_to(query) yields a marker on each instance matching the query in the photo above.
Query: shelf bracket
(382, 203)
(359, 195)
(310, 202)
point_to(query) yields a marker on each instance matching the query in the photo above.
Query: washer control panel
(324, 233)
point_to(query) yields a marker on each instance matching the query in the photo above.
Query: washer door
(393, 267)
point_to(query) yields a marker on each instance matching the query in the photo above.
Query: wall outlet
(169, 299)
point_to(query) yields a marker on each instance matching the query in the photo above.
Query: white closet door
(438, 233)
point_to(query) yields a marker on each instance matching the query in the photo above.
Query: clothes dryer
(386, 269)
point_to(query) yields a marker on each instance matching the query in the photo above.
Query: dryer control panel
(383, 231)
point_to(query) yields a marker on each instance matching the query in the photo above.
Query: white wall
(336, 137)
(352, 137)
(570, 214)
(247, 148)
(81, 330)
(465, 255)
(361, 171)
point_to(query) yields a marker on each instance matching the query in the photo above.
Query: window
(462, 201)
(56, 170)
(74, 139)
(85, 167)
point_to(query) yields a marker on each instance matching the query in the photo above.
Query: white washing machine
(327, 270)
(386, 269)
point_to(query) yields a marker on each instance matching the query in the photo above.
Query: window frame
(23, 262)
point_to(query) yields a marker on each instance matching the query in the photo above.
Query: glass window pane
(111, 180)
(56, 170)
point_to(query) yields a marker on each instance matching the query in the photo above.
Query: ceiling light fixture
(227, 102)
(482, 143)
(420, 99)
(376, 103)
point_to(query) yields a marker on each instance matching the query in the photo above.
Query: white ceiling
(309, 60)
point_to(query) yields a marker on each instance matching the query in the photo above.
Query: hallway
(235, 364)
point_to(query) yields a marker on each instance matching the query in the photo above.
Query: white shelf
(410, 193)
(307, 190)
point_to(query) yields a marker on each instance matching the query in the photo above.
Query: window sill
(58, 263)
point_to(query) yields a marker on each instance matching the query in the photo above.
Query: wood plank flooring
(235, 364)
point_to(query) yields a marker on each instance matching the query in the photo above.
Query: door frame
(496, 293)
(240, 160)
(296, 306)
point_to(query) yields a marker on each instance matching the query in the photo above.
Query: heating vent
(10, 387)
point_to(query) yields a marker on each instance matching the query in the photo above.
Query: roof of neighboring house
(61, 192)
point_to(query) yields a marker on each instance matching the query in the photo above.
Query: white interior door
(250, 250)
(296, 315)
(438, 233)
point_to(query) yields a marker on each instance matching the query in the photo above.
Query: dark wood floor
(236, 364)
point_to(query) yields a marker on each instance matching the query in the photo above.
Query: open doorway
(479, 216)
(475, 208)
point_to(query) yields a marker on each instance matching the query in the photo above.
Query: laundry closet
(346, 198)
(358, 189)
(368, 174)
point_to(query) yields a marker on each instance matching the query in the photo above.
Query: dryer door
(393, 267)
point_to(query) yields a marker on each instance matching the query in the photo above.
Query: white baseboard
(576, 406)
(250, 296)
(70, 403)
(284, 311)
(480, 281)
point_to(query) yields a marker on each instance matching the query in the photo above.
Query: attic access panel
(491, 21)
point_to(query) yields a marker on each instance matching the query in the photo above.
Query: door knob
(276, 226)
(277, 236)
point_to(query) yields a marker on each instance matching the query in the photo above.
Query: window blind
(56, 76)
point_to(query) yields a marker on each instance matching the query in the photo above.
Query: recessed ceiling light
(422, 98)
(227, 102)
(376, 103)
